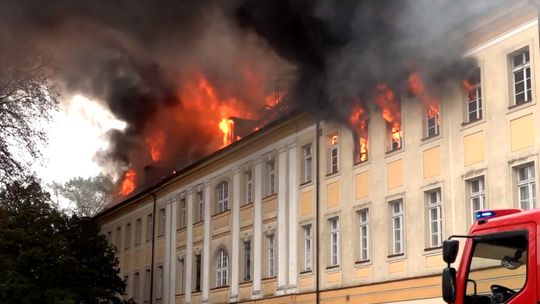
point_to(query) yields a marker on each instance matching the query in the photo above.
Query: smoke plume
(143, 59)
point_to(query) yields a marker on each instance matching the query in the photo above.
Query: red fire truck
(500, 261)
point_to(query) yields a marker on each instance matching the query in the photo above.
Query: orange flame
(156, 142)
(470, 88)
(391, 112)
(226, 125)
(358, 122)
(417, 88)
(128, 183)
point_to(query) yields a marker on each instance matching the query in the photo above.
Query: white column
(293, 203)
(257, 231)
(206, 245)
(235, 235)
(189, 248)
(282, 223)
(169, 265)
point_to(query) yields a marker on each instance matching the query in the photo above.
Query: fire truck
(500, 261)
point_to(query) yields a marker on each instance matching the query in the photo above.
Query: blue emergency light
(484, 214)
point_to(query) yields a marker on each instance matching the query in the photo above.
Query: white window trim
(222, 197)
(308, 247)
(400, 217)
(271, 255)
(437, 207)
(307, 168)
(521, 68)
(334, 241)
(249, 186)
(222, 268)
(480, 195)
(363, 225)
(529, 183)
(271, 167)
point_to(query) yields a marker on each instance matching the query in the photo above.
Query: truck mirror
(449, 285)
(450, 250)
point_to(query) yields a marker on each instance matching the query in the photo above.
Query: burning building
(355, 209)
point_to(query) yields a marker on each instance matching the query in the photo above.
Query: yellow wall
(473, 148)
(361, 185)
(522, 132)
(306, 203)
(332, 195)
(394, 174)
(432, 162)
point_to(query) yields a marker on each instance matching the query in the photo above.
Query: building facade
(298, 211)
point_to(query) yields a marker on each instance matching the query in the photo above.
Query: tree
(90, 195)
(49, 257)
(27, 99)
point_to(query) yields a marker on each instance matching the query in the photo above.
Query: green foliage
(89, 195)
(49, 257)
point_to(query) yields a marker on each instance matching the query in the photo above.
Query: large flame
(417, 88)
(156, 142)
(390, 109)
(128, 182)
(226, 125)
(358, 121)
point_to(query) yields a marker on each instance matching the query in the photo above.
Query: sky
(76, 133)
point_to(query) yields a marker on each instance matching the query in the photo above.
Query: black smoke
(342, 49)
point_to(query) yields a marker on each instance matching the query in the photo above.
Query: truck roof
(487, 219)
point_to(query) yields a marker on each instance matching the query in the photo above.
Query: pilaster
(257, 230)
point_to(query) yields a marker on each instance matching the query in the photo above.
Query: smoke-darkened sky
(138, 57)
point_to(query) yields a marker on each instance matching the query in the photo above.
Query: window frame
(138, 231)
(364, 225)
(400, 216)
(433, 199)
(308, 247)
(182, 213)
(222, 197)
(127, 242)
(334, 241)
(307, 163)
(271, 255)
(521, 68)
(161, 222)
(246, 277)
(480, 195)
(248, 177)
(222, 268)
(271, 175)
(529, 183)
(333, 150)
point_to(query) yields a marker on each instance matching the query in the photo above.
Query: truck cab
(499, 262)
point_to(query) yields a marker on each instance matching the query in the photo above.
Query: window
(361, 145)
(200, 207)
(249, 186)
(149, 227)
(138, 231)
(394, 136)
(434, 209)
(198, 272)
(118, 238)
(474, 97)
(363, 234)
(147, 286)
(308, 251)
(109, 237)
(271, 170)
(136, 284)
(161, 222)
(128, 236)
(521, 75)
(159, 283)
(181, 274)
(307, 163)
(526, 186)
(126, 281)
(334, 241)
(432, 120)
(271, 255)
(333, 154)
(222, 268)
(222, 193)
(182, 213)
(247, 260)
(396, 211)
(477, 196)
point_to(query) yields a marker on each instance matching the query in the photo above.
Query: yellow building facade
(287, 214)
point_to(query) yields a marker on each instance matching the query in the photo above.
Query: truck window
(498, 268)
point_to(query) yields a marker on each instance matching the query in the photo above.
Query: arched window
(222, 195)
(222, 268)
